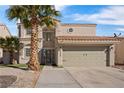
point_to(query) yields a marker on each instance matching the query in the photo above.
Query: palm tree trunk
(34, 62)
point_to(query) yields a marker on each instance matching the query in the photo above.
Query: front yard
(17, 76)
(18, 66)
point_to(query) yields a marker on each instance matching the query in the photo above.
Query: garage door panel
(84, 57)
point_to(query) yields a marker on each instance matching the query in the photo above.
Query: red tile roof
(78, 24)
(83, 38)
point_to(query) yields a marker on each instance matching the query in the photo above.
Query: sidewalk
(53, 77)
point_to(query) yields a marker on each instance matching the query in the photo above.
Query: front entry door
(48, 56)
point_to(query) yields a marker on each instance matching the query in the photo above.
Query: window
(19, 30)
(28, 31)
(27, 52)
(70, 30)
(47, 36)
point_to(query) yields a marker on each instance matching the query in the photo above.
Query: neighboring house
(70, 45)
(119, 54)
(4, 55)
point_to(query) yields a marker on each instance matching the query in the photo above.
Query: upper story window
(28, 31)
(19, 30)
(47, 36)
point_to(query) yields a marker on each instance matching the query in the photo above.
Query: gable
(4, 32)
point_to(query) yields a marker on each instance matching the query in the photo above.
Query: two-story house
(69, 45)
(4, 55)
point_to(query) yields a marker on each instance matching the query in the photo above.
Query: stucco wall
(112, 55)
(24, 35)
(22, 57)
(78, 30)
(25, 40)
(119, 53)
(61, 30)
(4, 31)
(59, 56)
(1, 54)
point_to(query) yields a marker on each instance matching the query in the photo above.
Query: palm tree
(10, 44)
(2, 42)
(32, 16)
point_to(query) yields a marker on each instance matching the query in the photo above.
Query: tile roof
(66, 24)
(4, 31)
(1, 24)
(83, 38)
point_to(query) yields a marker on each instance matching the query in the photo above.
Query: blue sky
(109, 19)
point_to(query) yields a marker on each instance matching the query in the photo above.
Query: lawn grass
(14, 65)
(18, 66)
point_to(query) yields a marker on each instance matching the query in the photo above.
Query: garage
(85, 56)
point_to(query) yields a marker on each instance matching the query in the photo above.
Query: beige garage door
(84, 56)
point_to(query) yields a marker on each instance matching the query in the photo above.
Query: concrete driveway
(79, 77)
(97, 77)
(54, 77)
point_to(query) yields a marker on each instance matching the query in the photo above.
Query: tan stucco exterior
(1, 54)
(4, 32)
(80, 35)
(119, 53)
(78, 30)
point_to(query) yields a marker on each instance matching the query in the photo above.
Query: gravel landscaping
(17, 78)
(7, 80)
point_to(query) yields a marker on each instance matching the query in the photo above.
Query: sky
(109, 19)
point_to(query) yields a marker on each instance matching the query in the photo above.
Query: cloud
(60, 7)
(120, 29)
(112, 15)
